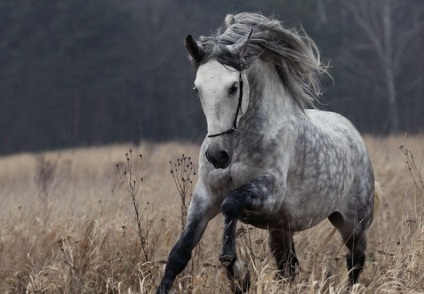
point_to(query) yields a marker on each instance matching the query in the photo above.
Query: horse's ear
(240, 47)
(194, 50)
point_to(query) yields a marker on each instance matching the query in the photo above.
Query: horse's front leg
(256, 195)
(282, 247)
(201, 211)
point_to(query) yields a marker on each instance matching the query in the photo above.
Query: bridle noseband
(234, 128)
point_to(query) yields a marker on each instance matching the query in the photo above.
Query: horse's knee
(232, 206)
(227, 206)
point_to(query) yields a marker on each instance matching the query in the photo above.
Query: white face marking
(218, 88)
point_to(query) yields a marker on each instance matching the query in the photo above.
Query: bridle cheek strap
(234, 128)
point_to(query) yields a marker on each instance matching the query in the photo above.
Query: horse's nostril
(223, 157)
(219, 159)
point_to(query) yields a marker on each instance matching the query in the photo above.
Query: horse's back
(338, 129)
(331, 122)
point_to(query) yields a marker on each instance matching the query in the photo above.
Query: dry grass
(68, 225)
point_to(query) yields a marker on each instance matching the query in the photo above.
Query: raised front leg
(201, 211)
(256, 195)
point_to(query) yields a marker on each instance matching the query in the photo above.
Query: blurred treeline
(84, 72)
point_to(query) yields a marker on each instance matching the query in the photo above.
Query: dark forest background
(90, 72)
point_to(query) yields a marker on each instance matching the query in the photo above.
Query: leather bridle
(234, 127)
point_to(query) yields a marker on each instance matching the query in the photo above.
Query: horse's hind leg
(282, 247)
(354, 236)
(356, 258)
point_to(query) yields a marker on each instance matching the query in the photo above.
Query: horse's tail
(378, 193)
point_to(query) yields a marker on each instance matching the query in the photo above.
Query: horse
(270, 158)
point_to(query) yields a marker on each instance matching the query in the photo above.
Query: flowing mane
(295, 55)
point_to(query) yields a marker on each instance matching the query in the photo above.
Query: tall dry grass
(71, 223)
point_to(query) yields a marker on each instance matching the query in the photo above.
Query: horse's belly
(257, 220)
(289, 218)
(303, 211)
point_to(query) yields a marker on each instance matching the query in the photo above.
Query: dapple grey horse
(268, 159)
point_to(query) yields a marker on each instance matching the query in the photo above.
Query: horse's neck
(270, 104)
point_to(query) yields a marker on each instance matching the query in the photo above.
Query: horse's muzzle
(219, 159)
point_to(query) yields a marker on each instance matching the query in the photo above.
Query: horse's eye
(233, 89)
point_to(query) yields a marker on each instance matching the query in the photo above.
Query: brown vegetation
(72, 222)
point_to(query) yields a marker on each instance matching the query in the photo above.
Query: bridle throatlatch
(234, 128)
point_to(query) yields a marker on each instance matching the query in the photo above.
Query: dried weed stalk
(414, 170)
(182, 172)
(132, 180)
(45, 171)
(76, 282)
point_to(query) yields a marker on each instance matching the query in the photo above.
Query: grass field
(73, 221)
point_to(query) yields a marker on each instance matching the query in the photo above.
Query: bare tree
(321, 12)
(387, 31)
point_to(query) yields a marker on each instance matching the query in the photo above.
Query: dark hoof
(227, 259)
(227, 255)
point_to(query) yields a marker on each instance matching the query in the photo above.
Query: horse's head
(224, 95)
